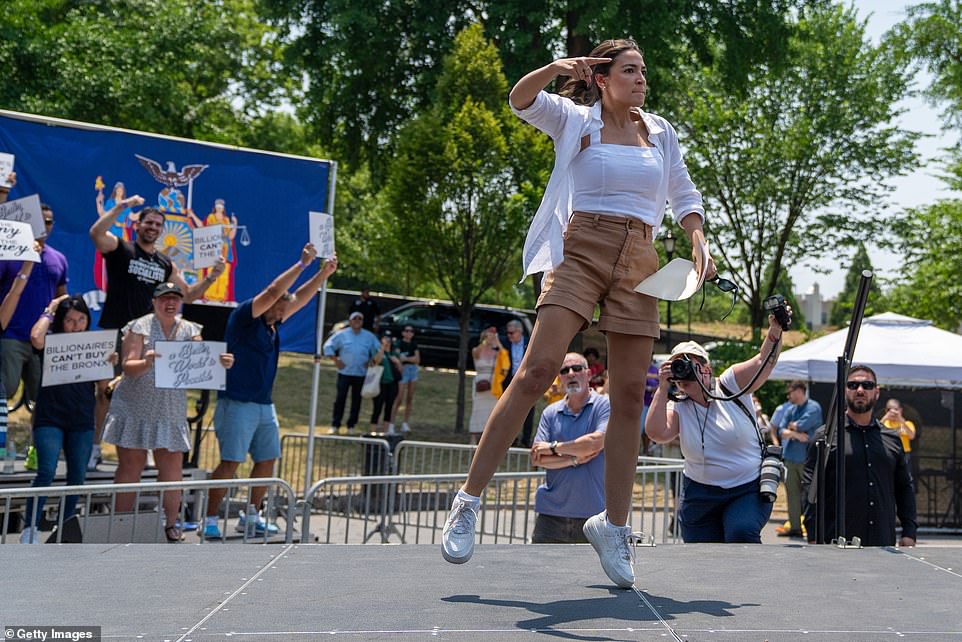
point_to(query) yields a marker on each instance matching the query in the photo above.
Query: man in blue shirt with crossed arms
(351, 349)
(245, 420)
(569, 445)
(796, 428)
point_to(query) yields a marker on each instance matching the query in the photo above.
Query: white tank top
(617, 179)
(731, 455)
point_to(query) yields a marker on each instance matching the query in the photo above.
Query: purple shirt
(651, 383)
(41, 288)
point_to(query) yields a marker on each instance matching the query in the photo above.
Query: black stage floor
(321, 592)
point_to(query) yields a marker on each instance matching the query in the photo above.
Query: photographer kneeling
(722, 499)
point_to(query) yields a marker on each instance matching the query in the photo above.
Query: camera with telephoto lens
(775, 304)
(683, 370)
(771, 473)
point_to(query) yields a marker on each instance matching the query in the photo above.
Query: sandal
(174, 534)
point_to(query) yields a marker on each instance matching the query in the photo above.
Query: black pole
(835, 425)
(840, 487)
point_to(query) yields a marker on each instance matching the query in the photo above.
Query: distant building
(814, 307)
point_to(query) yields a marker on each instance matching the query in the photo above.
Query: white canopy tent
(903, 351)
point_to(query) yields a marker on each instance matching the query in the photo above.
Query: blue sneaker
(211, 529)
(255, 528)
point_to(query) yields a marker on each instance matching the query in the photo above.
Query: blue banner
(262, 199)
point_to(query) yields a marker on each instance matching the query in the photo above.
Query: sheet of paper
(190, 364)
(16, 242)
(680, 278)
(322, 234)
(208, 245)
(25, 210)
(6, 166)
(73, 357)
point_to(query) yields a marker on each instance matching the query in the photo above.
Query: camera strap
(748, 413)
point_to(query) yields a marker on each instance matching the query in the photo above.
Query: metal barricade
(352, 510)
(98, 518)
(435, 458)
(334, 456)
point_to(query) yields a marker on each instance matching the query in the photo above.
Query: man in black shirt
(369, 308)
(878, 482)
(133, 271)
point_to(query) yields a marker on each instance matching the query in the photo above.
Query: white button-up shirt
(566, 123)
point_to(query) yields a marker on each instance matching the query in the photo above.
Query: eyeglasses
(725, 286)
(575, 368)
(855, 385)
(48, 221)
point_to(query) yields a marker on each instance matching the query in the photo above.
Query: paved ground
(297, 593)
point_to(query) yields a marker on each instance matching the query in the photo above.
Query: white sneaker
(612, 545)
(457, 538)
(405, 427)
(29, 535)
(390, 430)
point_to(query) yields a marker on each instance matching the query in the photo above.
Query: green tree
(370, 67)
(845, 302)
(931, 35)
(460, 190)
(932, 248)
(797, 168)
(202, 70)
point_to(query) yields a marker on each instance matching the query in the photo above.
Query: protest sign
(16, 242)
(72, 357)
(322, 234)
(6, 166)
(208, 245)
(25, 210)
(190, 364)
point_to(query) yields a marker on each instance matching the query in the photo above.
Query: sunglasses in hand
(725, 286)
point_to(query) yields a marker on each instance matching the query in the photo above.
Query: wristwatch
(554, 448)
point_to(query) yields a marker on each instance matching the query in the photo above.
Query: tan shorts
(605, 257)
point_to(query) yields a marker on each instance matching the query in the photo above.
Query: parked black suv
(437, 327)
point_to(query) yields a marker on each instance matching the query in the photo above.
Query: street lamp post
(669, 242)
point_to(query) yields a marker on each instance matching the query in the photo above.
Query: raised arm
(745, 371)
(196, 291)
(10, 301)
(273, 292)
(304, 293)
(527, 89)
(38, 333)
(103, 239)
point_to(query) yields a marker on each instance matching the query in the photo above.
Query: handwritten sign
(72, 357)
(16, 242)
(208, 245)
(322, 233)
(190, 364)
(6, 166)
(25, 210)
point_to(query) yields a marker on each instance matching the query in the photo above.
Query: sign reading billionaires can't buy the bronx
(72, 357)
(190, 364)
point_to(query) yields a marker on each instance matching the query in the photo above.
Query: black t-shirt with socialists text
(132, 275)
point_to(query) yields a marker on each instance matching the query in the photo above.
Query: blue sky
(919, 188)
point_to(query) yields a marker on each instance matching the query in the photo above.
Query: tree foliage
(845, 301)
(931, 35)
(205, 70)
(797, 169)
(460, 190)
(932, 247)
(371, 67)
